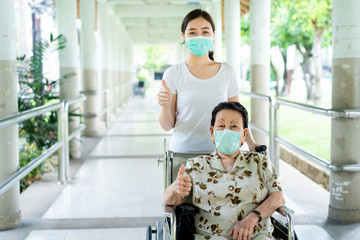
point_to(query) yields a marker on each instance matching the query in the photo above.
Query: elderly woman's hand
(182, 183)
(244, 229)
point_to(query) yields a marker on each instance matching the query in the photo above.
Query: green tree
(303, 23)
(314, 19)
(37, 90)
(281, 37)
(156, 57)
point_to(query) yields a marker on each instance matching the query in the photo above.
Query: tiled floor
(136, 128)
(89, 234)
(121, 179)
(110, 188)
(129, 146)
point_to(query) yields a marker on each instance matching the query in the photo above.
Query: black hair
(195, 14)
(235, 106)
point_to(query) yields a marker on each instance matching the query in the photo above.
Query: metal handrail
(274, 104)
(105, 111)
(333, 113)
(26, 115)
(62, 145)
(22, 172)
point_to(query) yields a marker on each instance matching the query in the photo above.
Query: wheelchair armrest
(284, 211)
(287, 213)
(169, 212)
(169, 209)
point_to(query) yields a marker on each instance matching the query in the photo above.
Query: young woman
(193, 88)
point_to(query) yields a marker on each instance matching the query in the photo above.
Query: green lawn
(307, 130)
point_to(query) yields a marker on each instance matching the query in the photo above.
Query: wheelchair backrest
(176, 159)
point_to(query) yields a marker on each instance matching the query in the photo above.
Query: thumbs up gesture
(182, 183)
(164, 95)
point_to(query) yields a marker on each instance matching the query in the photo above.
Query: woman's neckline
(199, 79)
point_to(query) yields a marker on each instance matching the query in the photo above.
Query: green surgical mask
(227, 141)
(199, 46)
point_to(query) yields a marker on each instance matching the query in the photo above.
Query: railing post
(62, 151)
(272, 134)
(107, 113)
(116, 100)
(66, 142)
(276, 153)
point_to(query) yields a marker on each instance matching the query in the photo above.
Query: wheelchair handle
(261, 148)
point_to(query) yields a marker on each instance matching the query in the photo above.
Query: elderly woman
(235, 191)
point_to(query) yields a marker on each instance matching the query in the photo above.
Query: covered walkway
(116, 188)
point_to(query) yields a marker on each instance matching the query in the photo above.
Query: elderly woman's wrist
(255, 216)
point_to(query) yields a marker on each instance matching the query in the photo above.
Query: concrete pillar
(125, 65)
(232, 31)
(216, 15)
(112, 60)
(345, 132)
(90, 82)
(130, 65)
(118, 62)
(10, 214)
(260, 64)
(69, 63)
(23, 28)
(122, 59)
(103, 30)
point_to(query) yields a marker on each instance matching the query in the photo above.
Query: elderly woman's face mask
(228, 132)
(227, 141)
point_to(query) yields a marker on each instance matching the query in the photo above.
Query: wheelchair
(166, 229)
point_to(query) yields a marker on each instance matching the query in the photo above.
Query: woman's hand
(182, 184)
(164, 95)
(181, 187)
(244, 229)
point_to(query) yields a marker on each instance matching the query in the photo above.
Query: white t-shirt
(196, 98)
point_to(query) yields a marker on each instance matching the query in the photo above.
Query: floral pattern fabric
(225, 198)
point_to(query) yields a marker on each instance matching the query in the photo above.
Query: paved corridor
(116, 188)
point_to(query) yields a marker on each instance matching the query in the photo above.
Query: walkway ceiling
(157, 22)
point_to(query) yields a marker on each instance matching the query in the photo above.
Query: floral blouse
(225, 198)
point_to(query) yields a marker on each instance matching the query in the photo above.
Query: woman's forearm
(250, 140)
(167, 119)
(272, 202)
(167, 116)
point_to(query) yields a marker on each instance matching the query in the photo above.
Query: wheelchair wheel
(149, 233)
(158, 231)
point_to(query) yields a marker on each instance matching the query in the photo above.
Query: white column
(103, 30)
(69, 63)
(130, 66)
(128, 83)
(90, 82)
(122, 60)
(117, 34)
(232, 30)
(216, 15)
(112, 60)
(23, 28)
(260, 64)
(345, 132)
(10, 214)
